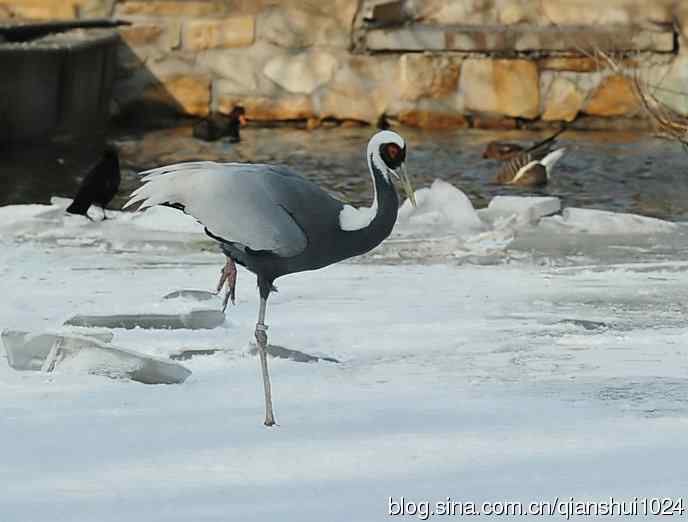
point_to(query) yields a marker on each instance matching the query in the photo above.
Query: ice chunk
(46, 351)
(13, 215)
(603, 222)
(195, 295)
(194, 320)
(442, 205)
(528, 210)
(122, 229)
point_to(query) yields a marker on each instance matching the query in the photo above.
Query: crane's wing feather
(240, 203)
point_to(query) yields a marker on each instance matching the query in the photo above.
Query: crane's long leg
(228, 275)
(262, 341)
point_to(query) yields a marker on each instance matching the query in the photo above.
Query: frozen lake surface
(484, 357)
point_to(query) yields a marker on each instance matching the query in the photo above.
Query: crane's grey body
(316, 215)
(274, 222)
(267, 218)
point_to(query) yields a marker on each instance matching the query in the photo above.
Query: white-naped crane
(274, 222)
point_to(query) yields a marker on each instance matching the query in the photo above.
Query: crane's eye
(392, 155)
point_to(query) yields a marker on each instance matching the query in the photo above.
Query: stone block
(170, 8)
(563, 101)
(361, 89)
(406, 39)
(581, 64)
(235, 31)
(520, 37)
(241, 70)
(593, 12)
(428, 118)
(508, 87)
(493, 122)
(301, 73)
(42, 9)
(674, 78)
(298, 28)
(428, 76)
(681, 13)
(615, 96)
(262, 108)
(341, 10)
(457, 12)
(185, 94)
(140, 34)
(511, 12)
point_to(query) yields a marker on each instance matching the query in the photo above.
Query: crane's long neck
(385, 205)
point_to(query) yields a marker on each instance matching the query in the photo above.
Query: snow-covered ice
(528, 210)
(477, 361)
(603, 222)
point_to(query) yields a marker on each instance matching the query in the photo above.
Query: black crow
(99, 186)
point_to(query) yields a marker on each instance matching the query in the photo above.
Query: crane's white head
(387, 154)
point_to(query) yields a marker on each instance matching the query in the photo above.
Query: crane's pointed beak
(403, 177)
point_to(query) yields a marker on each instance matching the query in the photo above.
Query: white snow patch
(441, 206)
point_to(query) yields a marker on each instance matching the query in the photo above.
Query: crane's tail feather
(167, 185)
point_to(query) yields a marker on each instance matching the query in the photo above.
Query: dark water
(613, 171)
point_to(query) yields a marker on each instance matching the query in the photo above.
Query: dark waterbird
(275, 222)
(532, 166)
(218, 126)
(505, 151)
(99, 186)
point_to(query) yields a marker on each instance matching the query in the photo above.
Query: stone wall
(427, 63)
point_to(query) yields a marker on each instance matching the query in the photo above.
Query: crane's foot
(228, 277)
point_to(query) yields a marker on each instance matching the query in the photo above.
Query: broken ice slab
(194, 320)
(190, 353)
(605, 222)
(46, 351)
(293, 355)
(27, 351)
(526, 209)
(195, 295)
